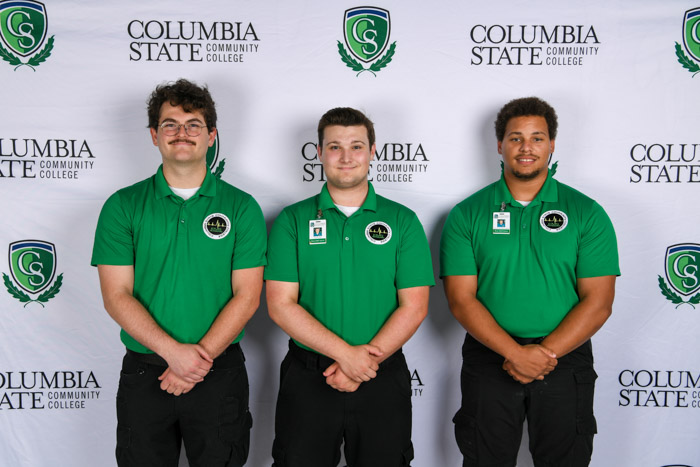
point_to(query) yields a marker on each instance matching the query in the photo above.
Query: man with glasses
(180, 258)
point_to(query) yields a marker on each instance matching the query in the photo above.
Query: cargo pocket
(585, 385)
(407, 456)
(465, 433)
(234, 428)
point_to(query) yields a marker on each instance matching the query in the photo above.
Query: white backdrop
(73, 130)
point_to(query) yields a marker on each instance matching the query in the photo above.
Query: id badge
(317, 232)
(501, 222)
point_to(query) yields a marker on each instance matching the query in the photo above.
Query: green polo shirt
(183, 252)
(349, 282)
(527, 277)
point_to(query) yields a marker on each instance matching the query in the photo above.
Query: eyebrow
(351, 142)
(533, 133)
(195, 119)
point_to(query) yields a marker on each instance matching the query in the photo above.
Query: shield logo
(23, 25)
(32, 264)
(366, 31)
(682, 267)
(691, 35)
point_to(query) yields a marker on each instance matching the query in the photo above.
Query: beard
(528, 176)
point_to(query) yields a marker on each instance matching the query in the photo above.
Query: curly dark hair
(182, 93)
(345, 116)
(526, 106)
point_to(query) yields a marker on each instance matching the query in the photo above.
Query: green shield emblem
(32, 264)
(23, 25)
(691, 35)
(682, 264)
(367, 31)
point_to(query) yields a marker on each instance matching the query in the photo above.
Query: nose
(344, 155)
(180, 129)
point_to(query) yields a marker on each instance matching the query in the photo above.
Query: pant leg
(147, 428)
(308, 418)
(378, 418)
(489, 424)
(561, 423)
(214, 417)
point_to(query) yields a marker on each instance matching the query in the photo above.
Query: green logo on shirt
(554, 221)
(33, 267)
(682, 272)
(216, 226)
(378, 233)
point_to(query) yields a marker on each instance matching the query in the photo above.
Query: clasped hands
(533, 362)
(359, 364)
(188, 364)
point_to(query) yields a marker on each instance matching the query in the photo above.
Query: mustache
(176, 141)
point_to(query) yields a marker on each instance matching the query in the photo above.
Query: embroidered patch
(216, 226)
(554, 221)
(378, 233)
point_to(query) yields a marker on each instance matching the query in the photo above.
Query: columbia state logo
(691, 42)
(213, 158)
(366, 30)
(33, 268)
(216, 226)
(682, 270)
(23, 28)
(554, 221)
(378, 233)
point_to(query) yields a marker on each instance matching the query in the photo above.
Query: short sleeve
(456, 250)
(282, 253)
(597, 254)
(114, 236)
(415, 266)
(251, 236)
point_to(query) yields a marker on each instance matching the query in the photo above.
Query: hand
(189, 361)
(338, 380)
(533, 362)
(173, 384)
(358, 363)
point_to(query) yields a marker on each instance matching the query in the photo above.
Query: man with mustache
(529, 267)
(180, 258)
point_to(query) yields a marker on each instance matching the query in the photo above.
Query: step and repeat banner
(624, 78)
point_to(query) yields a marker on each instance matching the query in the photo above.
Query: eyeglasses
(191, 129)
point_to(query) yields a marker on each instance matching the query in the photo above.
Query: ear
(212, 137)
(551, 146)
(154, 137)
(319, 151)
(500, 149)
(372, 151)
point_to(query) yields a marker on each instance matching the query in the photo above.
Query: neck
(351, 197)
(524, 190)
(184, 176)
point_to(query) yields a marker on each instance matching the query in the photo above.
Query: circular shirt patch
(216, 226)
(554, 221)
(378, 233)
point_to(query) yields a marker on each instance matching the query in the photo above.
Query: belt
(155, 359)
(316, 361)
(528, 340)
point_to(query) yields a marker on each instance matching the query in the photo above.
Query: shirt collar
(162, 189)
(324, 200)
(548, 192)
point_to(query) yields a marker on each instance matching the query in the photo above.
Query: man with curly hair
(529, 267)
(180, 258)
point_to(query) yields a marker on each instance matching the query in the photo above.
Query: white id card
(501, 222)
(317, 231)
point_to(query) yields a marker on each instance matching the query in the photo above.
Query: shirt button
(347, 238)
(524, 225)
(182, 221)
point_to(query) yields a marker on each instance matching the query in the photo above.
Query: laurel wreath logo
(687, 63)
(26, 299)
(674, 297)
(220, 168)
(374, 68)
(34, 61)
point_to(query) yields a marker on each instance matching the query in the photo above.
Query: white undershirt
(184, 193)
(347, 210)
(524, 203)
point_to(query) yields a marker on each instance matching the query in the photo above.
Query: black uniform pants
(313, 419)
(212, 419)
(559, 410)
